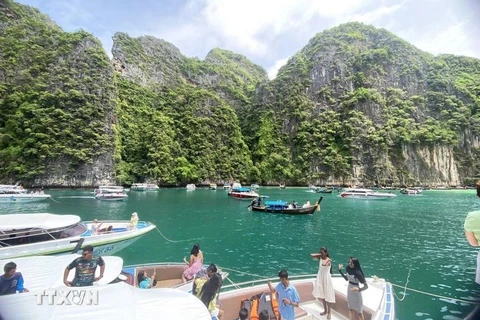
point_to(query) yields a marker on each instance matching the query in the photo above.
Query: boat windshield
(33, 235)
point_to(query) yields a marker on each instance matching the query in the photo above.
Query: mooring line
(169, 240)
(435, 295)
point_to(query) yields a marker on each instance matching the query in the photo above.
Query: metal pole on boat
(78, 246)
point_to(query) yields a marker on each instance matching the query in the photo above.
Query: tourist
(201, 277)
(209, 295)
(85, 267)
(134, 220)
(94, 229)
(144, 282)
(354, 276)
(11, 281)
(243, 314)
(307, 204)
(472, 233)
(194, 264)
(287, 296)
(323, 288)
(263, 315)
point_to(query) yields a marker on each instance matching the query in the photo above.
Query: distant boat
(14, 193)
(283, 207)
(254, 186)
(110, 193)
(243, 194)
(226, 186)
(45, 233)
(411, 191)
(139, 187)
(282, 186)
(152, 187)
(191, 187)
(353, 193)
(212, 186)
(324, 190)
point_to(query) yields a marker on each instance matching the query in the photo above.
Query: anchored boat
(14, 193)
(282, 207)
(45, 233)
(352, 193)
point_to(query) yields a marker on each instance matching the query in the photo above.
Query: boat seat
(169, 283)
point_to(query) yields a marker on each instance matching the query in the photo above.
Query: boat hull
(12, 198)
(108, 243)
(293, 211)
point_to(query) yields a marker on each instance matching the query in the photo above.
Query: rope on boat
(169, 240)
(434, 295)
(250, 274)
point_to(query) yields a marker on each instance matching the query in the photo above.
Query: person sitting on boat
(85, 267)
(11, 281)
(144, 282)
(134, 220)
(106, 230)
(195, 263)
(201, 277)
(295, 204)
(243, 314)
(95, 227)
(307, 204)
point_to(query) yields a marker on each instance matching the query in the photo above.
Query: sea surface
(419, 238)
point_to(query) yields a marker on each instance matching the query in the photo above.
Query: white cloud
(453, 39)
(273, 70)
(375, 15)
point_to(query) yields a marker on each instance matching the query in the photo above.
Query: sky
(268, 32)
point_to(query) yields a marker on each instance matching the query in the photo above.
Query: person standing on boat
(209, 295)
(287, 296)
(354, 276)
(11, 281)
(323, 288)
(85, 267)
(201, 277)
(134, 220)
(472, 233)
(195, 263)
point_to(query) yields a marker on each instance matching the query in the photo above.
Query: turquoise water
(421, 235)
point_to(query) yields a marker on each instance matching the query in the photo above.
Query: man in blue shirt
(287, 296)
(11, 281)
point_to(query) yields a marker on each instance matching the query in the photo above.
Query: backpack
(259, 302)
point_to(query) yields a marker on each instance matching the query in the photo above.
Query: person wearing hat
(134, 220)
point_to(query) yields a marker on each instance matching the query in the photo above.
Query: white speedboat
(152, 187)
(226, 186)
(44, 233)
(243, 194)
(378, 299)
(212, 186)
(14, 193)
(139, 187)
(110, 193)
(114, 301)
(254, 186)
(353, 193)
(191, 187)
(167, 275)
(46, 272)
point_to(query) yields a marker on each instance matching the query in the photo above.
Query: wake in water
(77, 197)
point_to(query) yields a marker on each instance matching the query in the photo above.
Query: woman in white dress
(323, 288)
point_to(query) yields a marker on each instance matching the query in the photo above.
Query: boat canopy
(115, 301)
(46, 221)
(276, 203)
(46, 272)
(241, 189)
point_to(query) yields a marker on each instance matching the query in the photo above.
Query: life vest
(260, 302)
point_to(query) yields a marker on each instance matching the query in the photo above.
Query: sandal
(329, 316)
(323, 313)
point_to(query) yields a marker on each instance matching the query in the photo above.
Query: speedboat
(353, 193)
(139, 187)
(110, 193)
(378, 299)
(243, 194)
(152, 187)
(14, 193)
(254, 186)
(167, 275)
(113, 301)
(45, 233)
(191, 187)
(226, 186)
(212, 186)
(410, 191)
